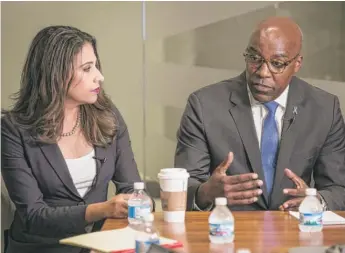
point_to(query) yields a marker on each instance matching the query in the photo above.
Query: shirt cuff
(323, 202)
(89, 228)
(197, 208)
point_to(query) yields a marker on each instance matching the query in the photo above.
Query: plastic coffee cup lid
(171, 173)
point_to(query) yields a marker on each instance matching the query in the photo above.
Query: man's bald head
(273, 57)
(283, 27)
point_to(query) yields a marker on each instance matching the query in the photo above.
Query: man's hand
(298, 193)
(240, 189)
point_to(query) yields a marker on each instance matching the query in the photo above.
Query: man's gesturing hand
(242, 189)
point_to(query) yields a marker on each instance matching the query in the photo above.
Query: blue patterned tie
(269, 144)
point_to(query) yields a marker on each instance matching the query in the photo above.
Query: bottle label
(136, 212)
(143, 247)
(145, 209)
(310, 219)
(222, 230)
(132, 211)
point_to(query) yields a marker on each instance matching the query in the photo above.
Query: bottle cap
(221, 202)
(243, 251)
(138, 185)
(148, 217)
(310, 192)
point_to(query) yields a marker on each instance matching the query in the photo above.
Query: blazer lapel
(291, 124)
(56, 160)
(240, 110)
(101, 159)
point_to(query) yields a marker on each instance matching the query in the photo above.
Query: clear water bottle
(221, 223)
(310, 213)
(243, 251)
(146, 235)
(139, 204)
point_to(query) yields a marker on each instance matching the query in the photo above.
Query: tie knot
(271, 106)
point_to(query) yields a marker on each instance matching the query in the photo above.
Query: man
(259, 138)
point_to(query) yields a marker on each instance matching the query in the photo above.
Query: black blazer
(48, 206)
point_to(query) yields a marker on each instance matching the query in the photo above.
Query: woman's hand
(116, 207)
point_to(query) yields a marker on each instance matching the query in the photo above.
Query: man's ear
(298, 63)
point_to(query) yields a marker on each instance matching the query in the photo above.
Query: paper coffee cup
(173, 192)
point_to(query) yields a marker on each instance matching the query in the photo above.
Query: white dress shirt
(259, 112)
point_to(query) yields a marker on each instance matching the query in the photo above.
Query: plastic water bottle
(243, 251)
(221, 223)
(310, 213)
(147, 235)
(139, 204)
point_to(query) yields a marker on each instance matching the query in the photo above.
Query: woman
(62, 143)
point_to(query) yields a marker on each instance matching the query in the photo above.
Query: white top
(83, 172)
(259, 112)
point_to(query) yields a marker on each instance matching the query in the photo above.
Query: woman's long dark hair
(45, 80)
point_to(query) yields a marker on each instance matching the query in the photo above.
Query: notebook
(329, 218)
(315, 249)
(319, 249)
(113, 241)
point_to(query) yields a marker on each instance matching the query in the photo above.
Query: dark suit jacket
(218, 119)
(48, 206)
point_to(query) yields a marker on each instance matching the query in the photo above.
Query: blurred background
(154, 54)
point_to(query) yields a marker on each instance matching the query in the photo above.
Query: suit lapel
(101, 159)
(292, 123)
(56, 160)
(240, 110)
